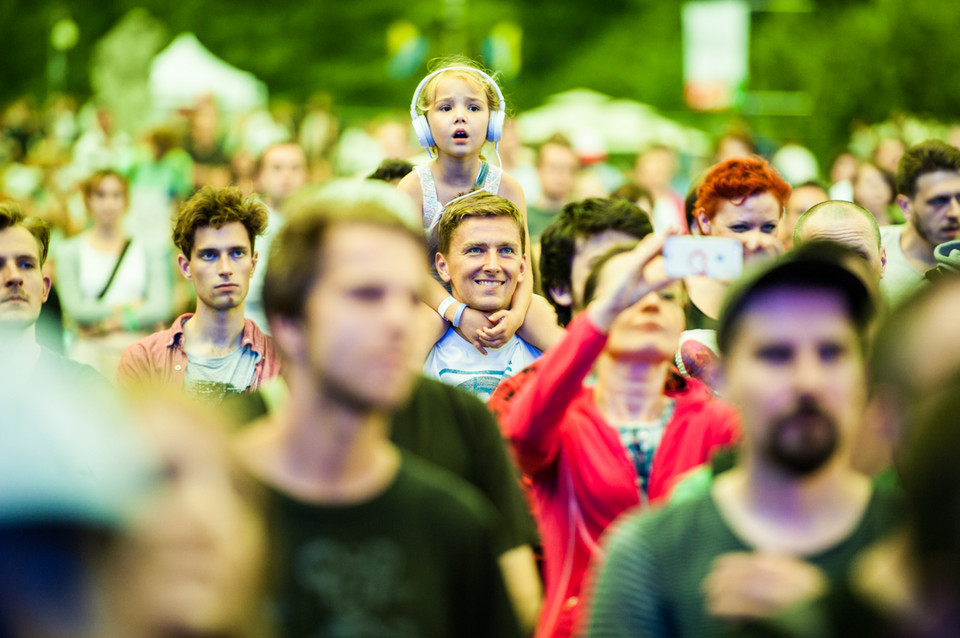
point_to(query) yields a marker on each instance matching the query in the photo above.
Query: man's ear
(561, 295)
(254, 259)
(442, 270)
(523, 270)
(46, 288)
(702, 221)
(184, 266)
(903, 203)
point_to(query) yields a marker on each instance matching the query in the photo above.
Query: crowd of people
(458, 397)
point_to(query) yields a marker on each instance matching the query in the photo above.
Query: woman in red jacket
(591, 451)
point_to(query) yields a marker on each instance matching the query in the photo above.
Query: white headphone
(422, 128)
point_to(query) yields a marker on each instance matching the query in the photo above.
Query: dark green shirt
(651, 581)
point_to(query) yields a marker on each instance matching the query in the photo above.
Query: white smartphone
(715, 257)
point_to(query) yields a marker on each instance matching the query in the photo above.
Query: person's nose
(11, 275)
(650, 302)
(225, 265)
(953, 210)
(492, 262)
(809, 374)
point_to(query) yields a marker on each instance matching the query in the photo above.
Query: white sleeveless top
(428, 190)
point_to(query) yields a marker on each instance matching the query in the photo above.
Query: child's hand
(473, 323)
(506, 323)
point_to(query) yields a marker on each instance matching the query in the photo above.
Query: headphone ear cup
(495, 126)
(422, 128)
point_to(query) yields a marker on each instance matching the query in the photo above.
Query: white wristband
(456, 317)
(446, 303)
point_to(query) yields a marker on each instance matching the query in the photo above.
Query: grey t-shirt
(214, 378)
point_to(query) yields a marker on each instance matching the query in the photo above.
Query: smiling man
(480, 246)
(928, 183)
(214, 352)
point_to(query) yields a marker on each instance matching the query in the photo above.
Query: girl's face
(459, 116)
(107, 201)
(753, 222)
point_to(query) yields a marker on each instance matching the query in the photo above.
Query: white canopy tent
(186, 70)
(622, 126)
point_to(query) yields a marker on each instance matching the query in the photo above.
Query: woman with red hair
(742, 198)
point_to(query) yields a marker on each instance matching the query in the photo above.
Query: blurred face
(655, 168)
(934, 212)
(649, 330)
(484, 263)
(753, 222)
(25, 288)
(107, 201)
(558, 171)
(795, 369)
(871, 190)
(356, 340)
(193, 558)
(801, 200)
(283, 172)
(459, 116)
(853, 231)
(221, 266)
(587, 250)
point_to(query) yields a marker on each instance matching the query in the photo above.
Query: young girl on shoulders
(457, 109)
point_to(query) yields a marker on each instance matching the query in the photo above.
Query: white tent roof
(185, 70)
(622, 126)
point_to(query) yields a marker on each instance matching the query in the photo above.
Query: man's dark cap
(812, 266)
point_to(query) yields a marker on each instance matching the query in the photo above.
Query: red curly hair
(737, 179)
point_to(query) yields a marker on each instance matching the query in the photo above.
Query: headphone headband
(422, 128)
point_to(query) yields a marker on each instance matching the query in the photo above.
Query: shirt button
(176, 367)
(570, 603)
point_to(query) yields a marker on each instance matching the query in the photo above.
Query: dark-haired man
(578, 236)
(928, 183)
(214, 352)
(792, 514)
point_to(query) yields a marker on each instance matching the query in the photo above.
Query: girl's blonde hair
(428, 94)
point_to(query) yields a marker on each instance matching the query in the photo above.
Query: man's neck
(19, 351)
(322, 450)
(775, 511)
(917, 250)
(630, 390)
(213, 333)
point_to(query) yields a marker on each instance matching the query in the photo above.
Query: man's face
(357, 338)
(934, 211)
(283, 172)
(853, 231)
(795, 369)
(557, 171)
(220, 266)
(753, 222)
(586, 252)
(24, 286)
(484, 263)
